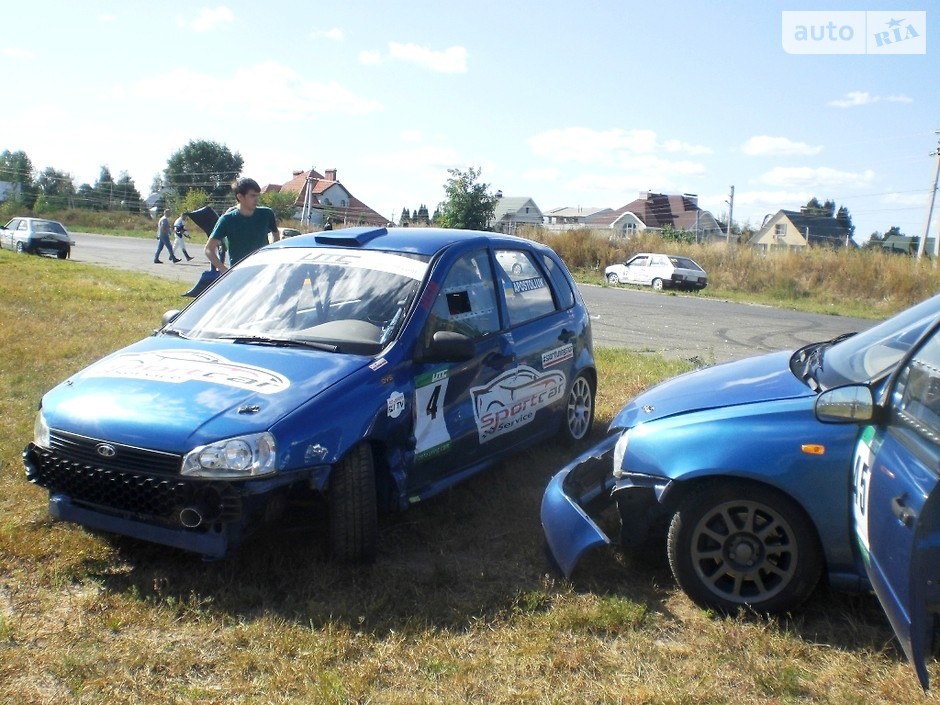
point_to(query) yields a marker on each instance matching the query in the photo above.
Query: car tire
(579, 410)
(613, 279)
(20, 247)
(743, 545)
(62, 254)
(658, 284)
(352, 509)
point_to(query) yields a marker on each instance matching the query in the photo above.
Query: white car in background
(36, 236)
(659, 271)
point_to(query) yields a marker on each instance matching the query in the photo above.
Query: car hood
(173, 394)
(755, 379)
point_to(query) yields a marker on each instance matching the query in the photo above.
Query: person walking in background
(179, 244)
(163, 238)
(243, 229)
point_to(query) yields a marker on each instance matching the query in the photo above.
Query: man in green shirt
(243, 229)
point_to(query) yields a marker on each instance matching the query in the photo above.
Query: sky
(571, 104)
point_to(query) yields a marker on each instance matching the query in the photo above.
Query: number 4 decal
(431, 434)
(861, 479)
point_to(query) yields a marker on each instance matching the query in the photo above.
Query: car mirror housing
(448, 346)
(850, 404)
(169, 316)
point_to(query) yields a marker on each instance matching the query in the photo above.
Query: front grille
(134, 480)
(82, 449)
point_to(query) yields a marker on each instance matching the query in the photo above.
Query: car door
(6, 234)
(638, 270)
(896, 503)
(447, 437)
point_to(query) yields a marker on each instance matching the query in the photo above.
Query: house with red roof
(655, 211)
(322, 196)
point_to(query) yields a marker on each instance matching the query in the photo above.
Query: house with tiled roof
(570, 218)
(655, 211)
(511, 212)
(322, 196)
(797, 230)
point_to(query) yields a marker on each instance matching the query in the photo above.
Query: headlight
(41, 431)
(620, 450)
(244, 456)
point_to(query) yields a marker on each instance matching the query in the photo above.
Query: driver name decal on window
(532, 284)
(511, 400)
(177, 366)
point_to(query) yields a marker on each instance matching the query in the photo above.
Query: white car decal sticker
(396, 405)
(431, 434)
(511, 400)
(557, 356)
(524, 285)
(177, 366)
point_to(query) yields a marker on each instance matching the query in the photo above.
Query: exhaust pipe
(191, 517)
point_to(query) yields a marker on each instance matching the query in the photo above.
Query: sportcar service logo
(511, 400)
(176, 366)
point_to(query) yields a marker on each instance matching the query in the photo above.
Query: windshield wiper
(175, 332)
(281, 342)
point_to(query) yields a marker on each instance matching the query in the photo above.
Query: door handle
(905, 514)
(498, 360)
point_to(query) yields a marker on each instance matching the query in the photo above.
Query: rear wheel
(579, 410)
(20, 247)
(352, 509)
(743, 544)
(613, 278)
(658, 284)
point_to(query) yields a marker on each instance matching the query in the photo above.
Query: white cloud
(612, 147)
(370, 58)
(816, 178)
(410, 136)
(766, 146)
(299, 98)
(208, 19)
(547, 174)
(436, 159)
(452, 60)
(104, 19)
(15, 53)
(853, 99)
(899, 99)
(336, 34)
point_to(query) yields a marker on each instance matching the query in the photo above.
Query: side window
(466, 302)
(917, 396)
(560, 281)
(638, 262)
(23, 225)
(527, 291)
(660, 261)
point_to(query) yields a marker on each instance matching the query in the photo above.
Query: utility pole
(933, 193)
(308, 199)
(730, 214)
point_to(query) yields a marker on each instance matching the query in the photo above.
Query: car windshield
(685, 263)
(873, 353)
(344, 300)
(48, 226)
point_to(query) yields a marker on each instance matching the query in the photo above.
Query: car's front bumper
(573, 500)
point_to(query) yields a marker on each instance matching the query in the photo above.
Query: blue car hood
(173, 394)
(755, 379)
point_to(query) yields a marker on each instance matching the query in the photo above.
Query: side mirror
(448, 346)
(850, 404)
(169, 316)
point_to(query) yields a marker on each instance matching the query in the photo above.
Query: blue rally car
(730, 465)
(370, 367)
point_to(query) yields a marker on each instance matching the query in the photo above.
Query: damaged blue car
(729, 469)
(368, 368)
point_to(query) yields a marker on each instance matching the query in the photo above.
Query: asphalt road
(675, 325)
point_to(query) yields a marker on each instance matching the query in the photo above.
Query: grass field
(461, 606)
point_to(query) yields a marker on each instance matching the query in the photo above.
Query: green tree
(469, 204)
(281, 202)
(126, 195)
(844, 218)
(16, 168)
(671, 234)
(56, 189)
(814, 207)
(206, 165)
(104, 189)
